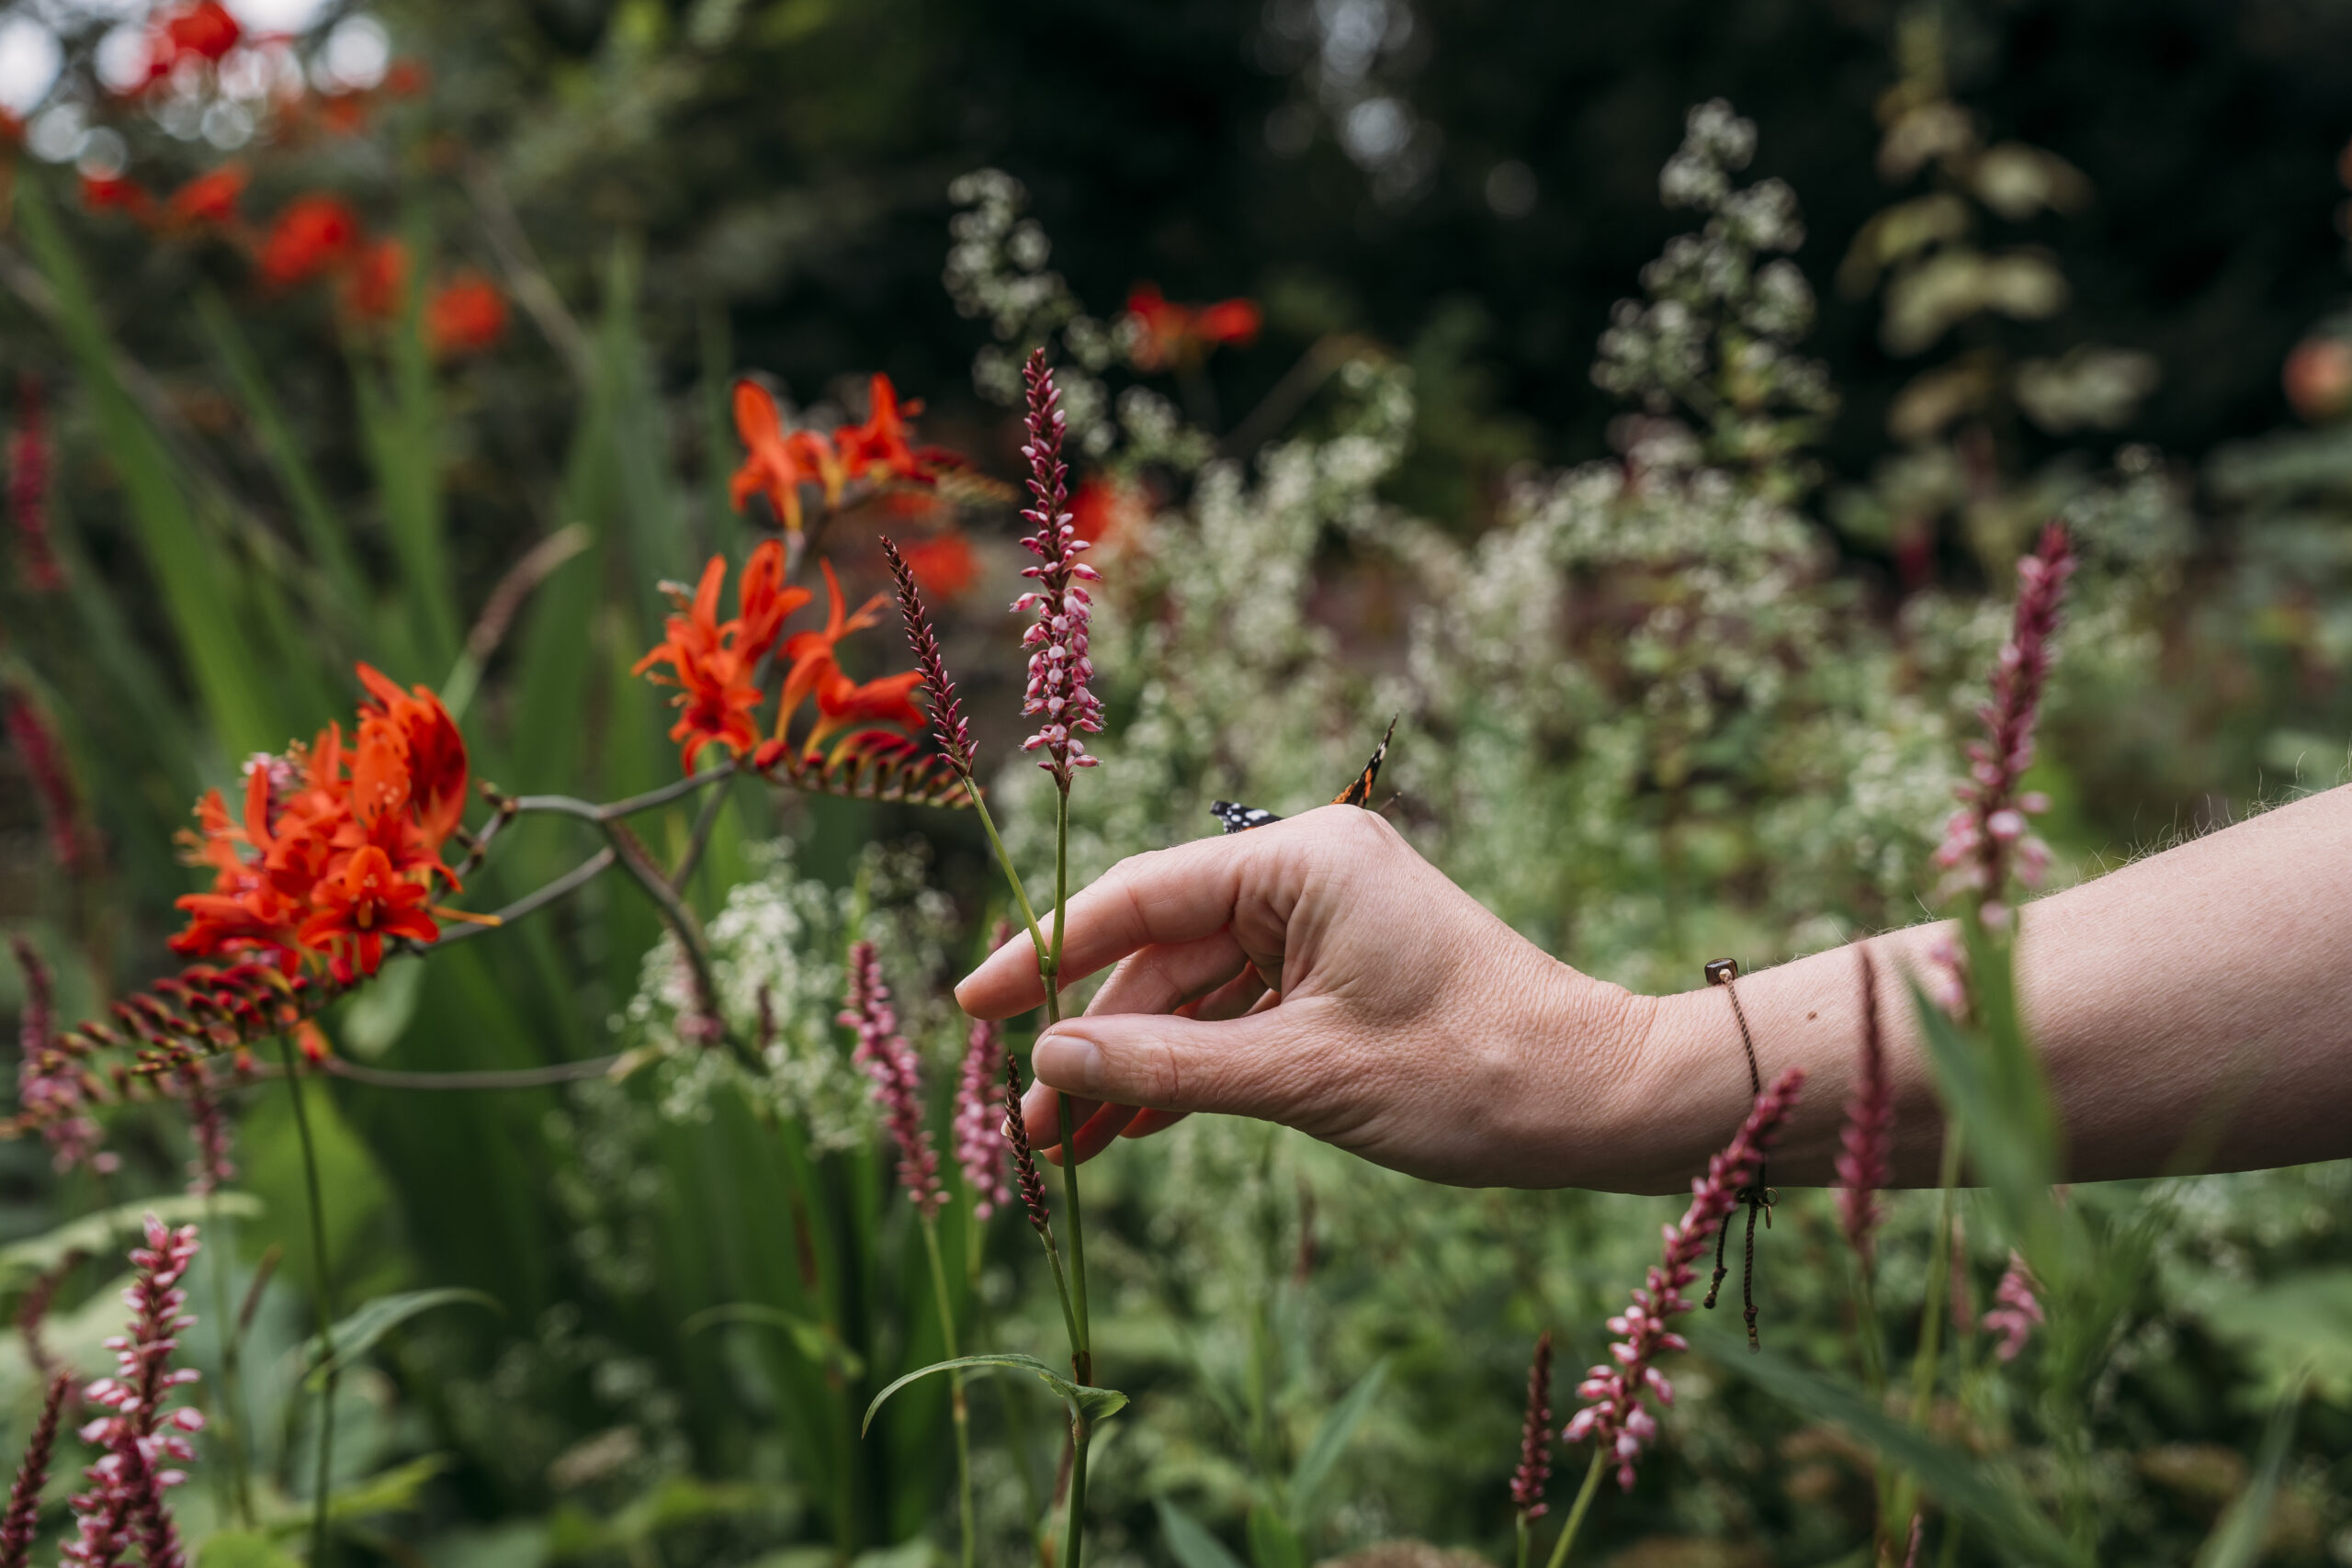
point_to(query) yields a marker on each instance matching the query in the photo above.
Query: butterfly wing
(1239, 819)
(1358, 791)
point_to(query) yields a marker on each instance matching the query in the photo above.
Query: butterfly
(1239, 819)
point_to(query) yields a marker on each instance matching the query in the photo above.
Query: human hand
(1319, 973)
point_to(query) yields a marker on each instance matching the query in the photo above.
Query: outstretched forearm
(2195, 1006)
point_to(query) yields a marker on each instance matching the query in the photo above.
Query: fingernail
(1067, 1060)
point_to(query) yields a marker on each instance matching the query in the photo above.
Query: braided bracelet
(1759, 1197)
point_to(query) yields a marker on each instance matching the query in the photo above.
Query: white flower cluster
(778, 950)
(1714, 340)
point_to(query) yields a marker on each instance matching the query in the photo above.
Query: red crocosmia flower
(406, 79)
(208, 200)
(357, 907)
(377, 285)
(944, 566)
(466, 315)
(337, 846)
(842, 702)
(712, 662)
(116, 193)
(879, 448)
(809, 656)
(1107, 509)
(315, 234)
(1174, 334)
(205, 30)
(777, 461)
(432, 749)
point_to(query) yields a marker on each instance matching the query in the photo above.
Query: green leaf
(1331, 1440)
(2294, 1329)
(116, 1230)
(2238, 1536)
(1991, 1500)
(1189, 1540)
(222, 658)
(1093, 1403)
(1273, 1544)
(813, 1340)
(243, 1548)
(393, 1491)
(357, 1334)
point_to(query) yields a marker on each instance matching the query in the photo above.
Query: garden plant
(585, 1157)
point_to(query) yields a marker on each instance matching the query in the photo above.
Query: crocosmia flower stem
(323, 1294)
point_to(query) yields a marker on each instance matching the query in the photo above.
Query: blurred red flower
(777, 461)
(1173, 334)
(943, 565)
(313, 235)
(879, 448)
(377, 285)
(116, 193)
(2318, 378)
(205, 30)
(465, 316)
(1107, 509)
(209, 199)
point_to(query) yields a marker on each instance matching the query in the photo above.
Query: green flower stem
(323, 1294)
(229, 1414)
(1927, 1360)
(1583, 1504)
(958, 1404)
(1082, 1431)
(1522, 1559)
(1013, 876)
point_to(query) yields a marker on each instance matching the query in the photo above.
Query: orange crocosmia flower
(1178, 334)
(842, 702)
(775, 465)
(357, 907)
(313, 234)
(377, 285)
(809, 656)
(711, 662)
(465, 316)
(944, 566)
(406, 79)
(208, 200)
(432, 747)
(879, 448)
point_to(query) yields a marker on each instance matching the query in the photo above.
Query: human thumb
(1261, 1065)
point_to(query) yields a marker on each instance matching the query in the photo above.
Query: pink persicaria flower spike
(979, 1146)
(942, 708)
(53, 1087)
(140, 1435)
(22, 1521)
(1615, 1417)
(1985, 841)
(891, 1063)
(1535, 1471)
(1058, 667)
(2017, 1312)
(1870, 1122)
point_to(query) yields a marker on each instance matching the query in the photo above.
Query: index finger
(1167, 896)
